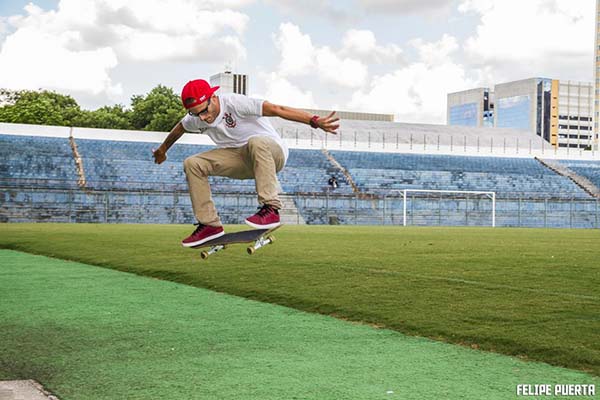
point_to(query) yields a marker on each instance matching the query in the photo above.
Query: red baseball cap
(196, 92)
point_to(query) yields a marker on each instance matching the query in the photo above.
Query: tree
(107, 117)
(159, 110)
(38, 107)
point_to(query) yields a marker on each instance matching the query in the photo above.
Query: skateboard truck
(210, 251)
(260, 242)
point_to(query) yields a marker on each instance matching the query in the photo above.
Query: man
(333, 182)
(247, 147)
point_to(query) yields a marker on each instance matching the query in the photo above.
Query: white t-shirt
(240, 118)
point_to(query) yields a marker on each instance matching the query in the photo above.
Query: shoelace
(264, 210)
(200, 226)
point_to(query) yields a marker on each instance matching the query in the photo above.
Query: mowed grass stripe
(93, 333)
(466, 282)
(327, 270)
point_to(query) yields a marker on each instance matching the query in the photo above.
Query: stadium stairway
(580, 180)
(290, 214)
(78, 161)
(343, 170)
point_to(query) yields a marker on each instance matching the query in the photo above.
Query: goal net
(448, 207)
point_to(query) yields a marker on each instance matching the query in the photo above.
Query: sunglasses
(202, 112)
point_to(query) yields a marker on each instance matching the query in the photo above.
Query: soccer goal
(460, 207)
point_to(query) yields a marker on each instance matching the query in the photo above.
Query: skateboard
(260, 238)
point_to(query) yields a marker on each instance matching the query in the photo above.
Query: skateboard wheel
(271, 239)
(250, 250)
(204, 255)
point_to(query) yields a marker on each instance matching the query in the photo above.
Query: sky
(398, 57)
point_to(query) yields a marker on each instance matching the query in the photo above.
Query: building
(575, 115)
(597, 77)
(560, 112)
(353, 115)
(230, 83)
(473, 107)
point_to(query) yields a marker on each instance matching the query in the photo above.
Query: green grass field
(531, 293)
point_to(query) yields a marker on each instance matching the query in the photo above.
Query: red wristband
(313, 121)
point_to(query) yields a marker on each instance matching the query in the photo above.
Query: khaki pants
(261, 158)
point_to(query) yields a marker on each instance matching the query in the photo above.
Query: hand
(328, 123)
(159, 155)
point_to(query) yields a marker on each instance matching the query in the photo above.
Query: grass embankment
(92, 333)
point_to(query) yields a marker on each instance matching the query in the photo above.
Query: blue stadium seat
(39, 180)
(587, 169)
(508, 177)
(37, 162)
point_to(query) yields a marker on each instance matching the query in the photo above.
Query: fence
(36, 204)
(432, 143)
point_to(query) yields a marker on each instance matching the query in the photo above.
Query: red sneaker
(202, 234)
(266, 218)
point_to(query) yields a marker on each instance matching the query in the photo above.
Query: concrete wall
(356, 136)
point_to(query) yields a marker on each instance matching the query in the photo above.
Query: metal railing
(39, 204)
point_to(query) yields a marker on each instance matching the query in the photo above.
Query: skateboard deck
(260, 238)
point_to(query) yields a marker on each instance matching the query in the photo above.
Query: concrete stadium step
(290, 214)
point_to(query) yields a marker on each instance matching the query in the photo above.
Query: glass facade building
(543, 104)
(464, 115)
(513, 112)
(488, 109)
(474, 107)
(559, 112)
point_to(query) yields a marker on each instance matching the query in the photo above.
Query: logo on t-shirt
(229, 121)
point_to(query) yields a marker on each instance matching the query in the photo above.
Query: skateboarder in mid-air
(247, 147)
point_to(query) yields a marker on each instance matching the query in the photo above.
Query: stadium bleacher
(509, 177)
(39, 179)
(40, 161)
(587, 169)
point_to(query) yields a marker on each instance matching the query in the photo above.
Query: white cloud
(282, 91)
(314, 9)
(417, 92)
(47, 63)
(521, 39)
(299, 57)
(296, 48)
(343, 72)
(435, 52)
(76, 46)
(3, 26)
(301, 60)
(362, 44)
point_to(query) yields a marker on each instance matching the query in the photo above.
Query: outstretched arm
(160, 154)
(328, 124)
